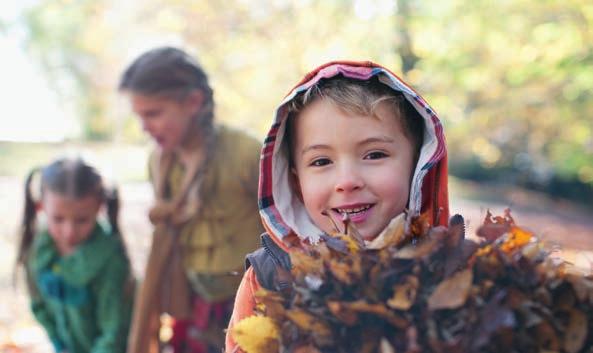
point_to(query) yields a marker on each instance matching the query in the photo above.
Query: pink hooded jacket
(284, 215)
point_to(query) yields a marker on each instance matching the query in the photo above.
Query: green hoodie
(83, 300)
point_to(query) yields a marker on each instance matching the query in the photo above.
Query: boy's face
(356, 164)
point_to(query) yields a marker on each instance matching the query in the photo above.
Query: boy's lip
(360, 214)
(352, 206)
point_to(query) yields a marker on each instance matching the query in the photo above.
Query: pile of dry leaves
(426, 289)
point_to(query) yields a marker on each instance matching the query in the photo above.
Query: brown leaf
(308, 322)
(423, 248)
(583, 287)
(304, 263)
(272, 302)
(419, 225)
(343, 313)
(576, 332)
(546, 337)
(490, 232)
(393, 234)
(380, 310)
(452, 292)
(404, 294)
(347, 270)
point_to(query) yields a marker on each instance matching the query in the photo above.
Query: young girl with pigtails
(78, 272)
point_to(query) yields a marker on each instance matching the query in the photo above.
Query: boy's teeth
(353, 210)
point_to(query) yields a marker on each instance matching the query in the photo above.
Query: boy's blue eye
(320, 162)
(375, 155)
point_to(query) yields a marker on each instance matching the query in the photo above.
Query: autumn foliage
(428, 289)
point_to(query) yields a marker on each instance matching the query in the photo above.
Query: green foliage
(519, 75)
(513, 81)
(65, 38)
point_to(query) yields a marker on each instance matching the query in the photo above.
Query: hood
(284, 215)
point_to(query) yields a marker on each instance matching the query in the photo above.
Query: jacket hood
(283, 213)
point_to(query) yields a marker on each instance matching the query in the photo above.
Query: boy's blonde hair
(361, 97)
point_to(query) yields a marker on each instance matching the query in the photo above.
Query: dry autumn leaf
(404, 294)
(430, 290)
(452, 292)
(576, 332)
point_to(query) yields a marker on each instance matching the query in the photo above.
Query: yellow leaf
(256, 334)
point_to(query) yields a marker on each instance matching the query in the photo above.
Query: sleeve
(45, 319)
(244, 307)
(42, 312)
(113, 309)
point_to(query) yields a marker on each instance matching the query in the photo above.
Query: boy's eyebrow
(363, 142)
(376, 139)
(313, 147)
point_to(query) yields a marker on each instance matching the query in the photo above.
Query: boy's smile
(350, 163)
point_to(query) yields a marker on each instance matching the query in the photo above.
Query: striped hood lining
(281, 210)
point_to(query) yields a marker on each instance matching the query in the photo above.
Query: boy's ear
(38, 206)
(295, 185)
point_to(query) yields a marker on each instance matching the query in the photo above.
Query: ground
(556, 221)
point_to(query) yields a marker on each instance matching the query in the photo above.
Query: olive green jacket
(227, 224)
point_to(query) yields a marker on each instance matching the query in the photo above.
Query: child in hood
(350, 139)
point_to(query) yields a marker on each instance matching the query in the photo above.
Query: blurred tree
(70, 40)
(256, 50)
(512, 80)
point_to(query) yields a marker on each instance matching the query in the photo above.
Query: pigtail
(27, 231)
(28, 224)
(112, 203)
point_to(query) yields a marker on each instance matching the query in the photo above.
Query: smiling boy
(349, 138)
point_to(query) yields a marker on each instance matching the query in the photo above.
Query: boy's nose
(348, 180)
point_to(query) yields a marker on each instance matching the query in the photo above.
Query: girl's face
(167, 120)
(70, 220)
(355, 164)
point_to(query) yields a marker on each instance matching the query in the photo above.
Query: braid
(112, 203)
(27, 231)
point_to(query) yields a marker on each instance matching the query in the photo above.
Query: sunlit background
(511, 80)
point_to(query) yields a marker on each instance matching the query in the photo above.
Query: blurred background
(511, 80)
